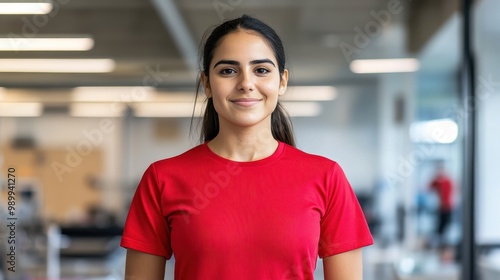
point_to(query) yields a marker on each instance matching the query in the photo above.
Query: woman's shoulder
(309, 158)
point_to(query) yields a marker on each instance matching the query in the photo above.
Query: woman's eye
(262, 71)
(227, 71)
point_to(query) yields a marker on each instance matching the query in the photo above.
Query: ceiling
(160, 38)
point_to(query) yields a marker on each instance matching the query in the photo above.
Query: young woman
(245, 204)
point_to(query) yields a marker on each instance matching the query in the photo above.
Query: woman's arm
(344, 266)
(142, 266)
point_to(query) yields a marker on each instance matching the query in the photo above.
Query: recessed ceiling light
(20, 109)
(23, 8)
(46, 44)
(365, 66)
(57, 65)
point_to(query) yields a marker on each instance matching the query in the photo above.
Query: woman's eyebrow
(253, 62)
(259, 61)
(225, 61)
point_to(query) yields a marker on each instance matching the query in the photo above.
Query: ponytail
(281, 126)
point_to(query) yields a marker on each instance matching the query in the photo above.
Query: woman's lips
(246, 102)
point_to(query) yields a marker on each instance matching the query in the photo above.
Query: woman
(245, 204)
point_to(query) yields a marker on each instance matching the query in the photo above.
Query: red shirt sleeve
(146, 228)
(343, 226)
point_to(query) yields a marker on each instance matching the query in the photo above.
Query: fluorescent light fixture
(20, 109)
(97, 109)
(167, 110)
(310, 93)
(46, 44)
(365, 66)
(112, 94)
(57, 65)
(442, 131)
(302, 109)
(24, 8)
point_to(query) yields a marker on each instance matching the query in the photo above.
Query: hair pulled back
(281, 126)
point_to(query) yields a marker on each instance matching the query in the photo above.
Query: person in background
(442, 185)
(245, 203)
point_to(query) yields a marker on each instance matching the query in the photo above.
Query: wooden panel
(65, 180)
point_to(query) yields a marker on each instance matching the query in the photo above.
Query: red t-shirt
(443, 185)
(264, 219)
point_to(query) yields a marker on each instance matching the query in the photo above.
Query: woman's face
(244, 80)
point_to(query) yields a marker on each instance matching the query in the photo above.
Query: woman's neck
(244, 145)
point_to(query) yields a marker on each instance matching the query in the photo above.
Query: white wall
(346, 132)
(396, 154)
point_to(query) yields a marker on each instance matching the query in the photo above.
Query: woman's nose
(246, 82)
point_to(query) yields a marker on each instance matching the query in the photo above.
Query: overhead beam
(425, 19)
(173, 21)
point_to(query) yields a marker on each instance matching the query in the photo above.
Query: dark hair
(281, 126)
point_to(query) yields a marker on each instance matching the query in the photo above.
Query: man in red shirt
(443, 186)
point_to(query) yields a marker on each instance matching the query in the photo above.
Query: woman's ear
(283, 82)
(206, 85)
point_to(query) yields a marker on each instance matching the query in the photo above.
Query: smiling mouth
(246, 102)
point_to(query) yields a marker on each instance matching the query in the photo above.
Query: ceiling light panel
(25, 8)
(46, 44)
(20, 109)
(366, 66)
(57, 65)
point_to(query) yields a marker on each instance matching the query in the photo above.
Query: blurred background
(93, 91)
